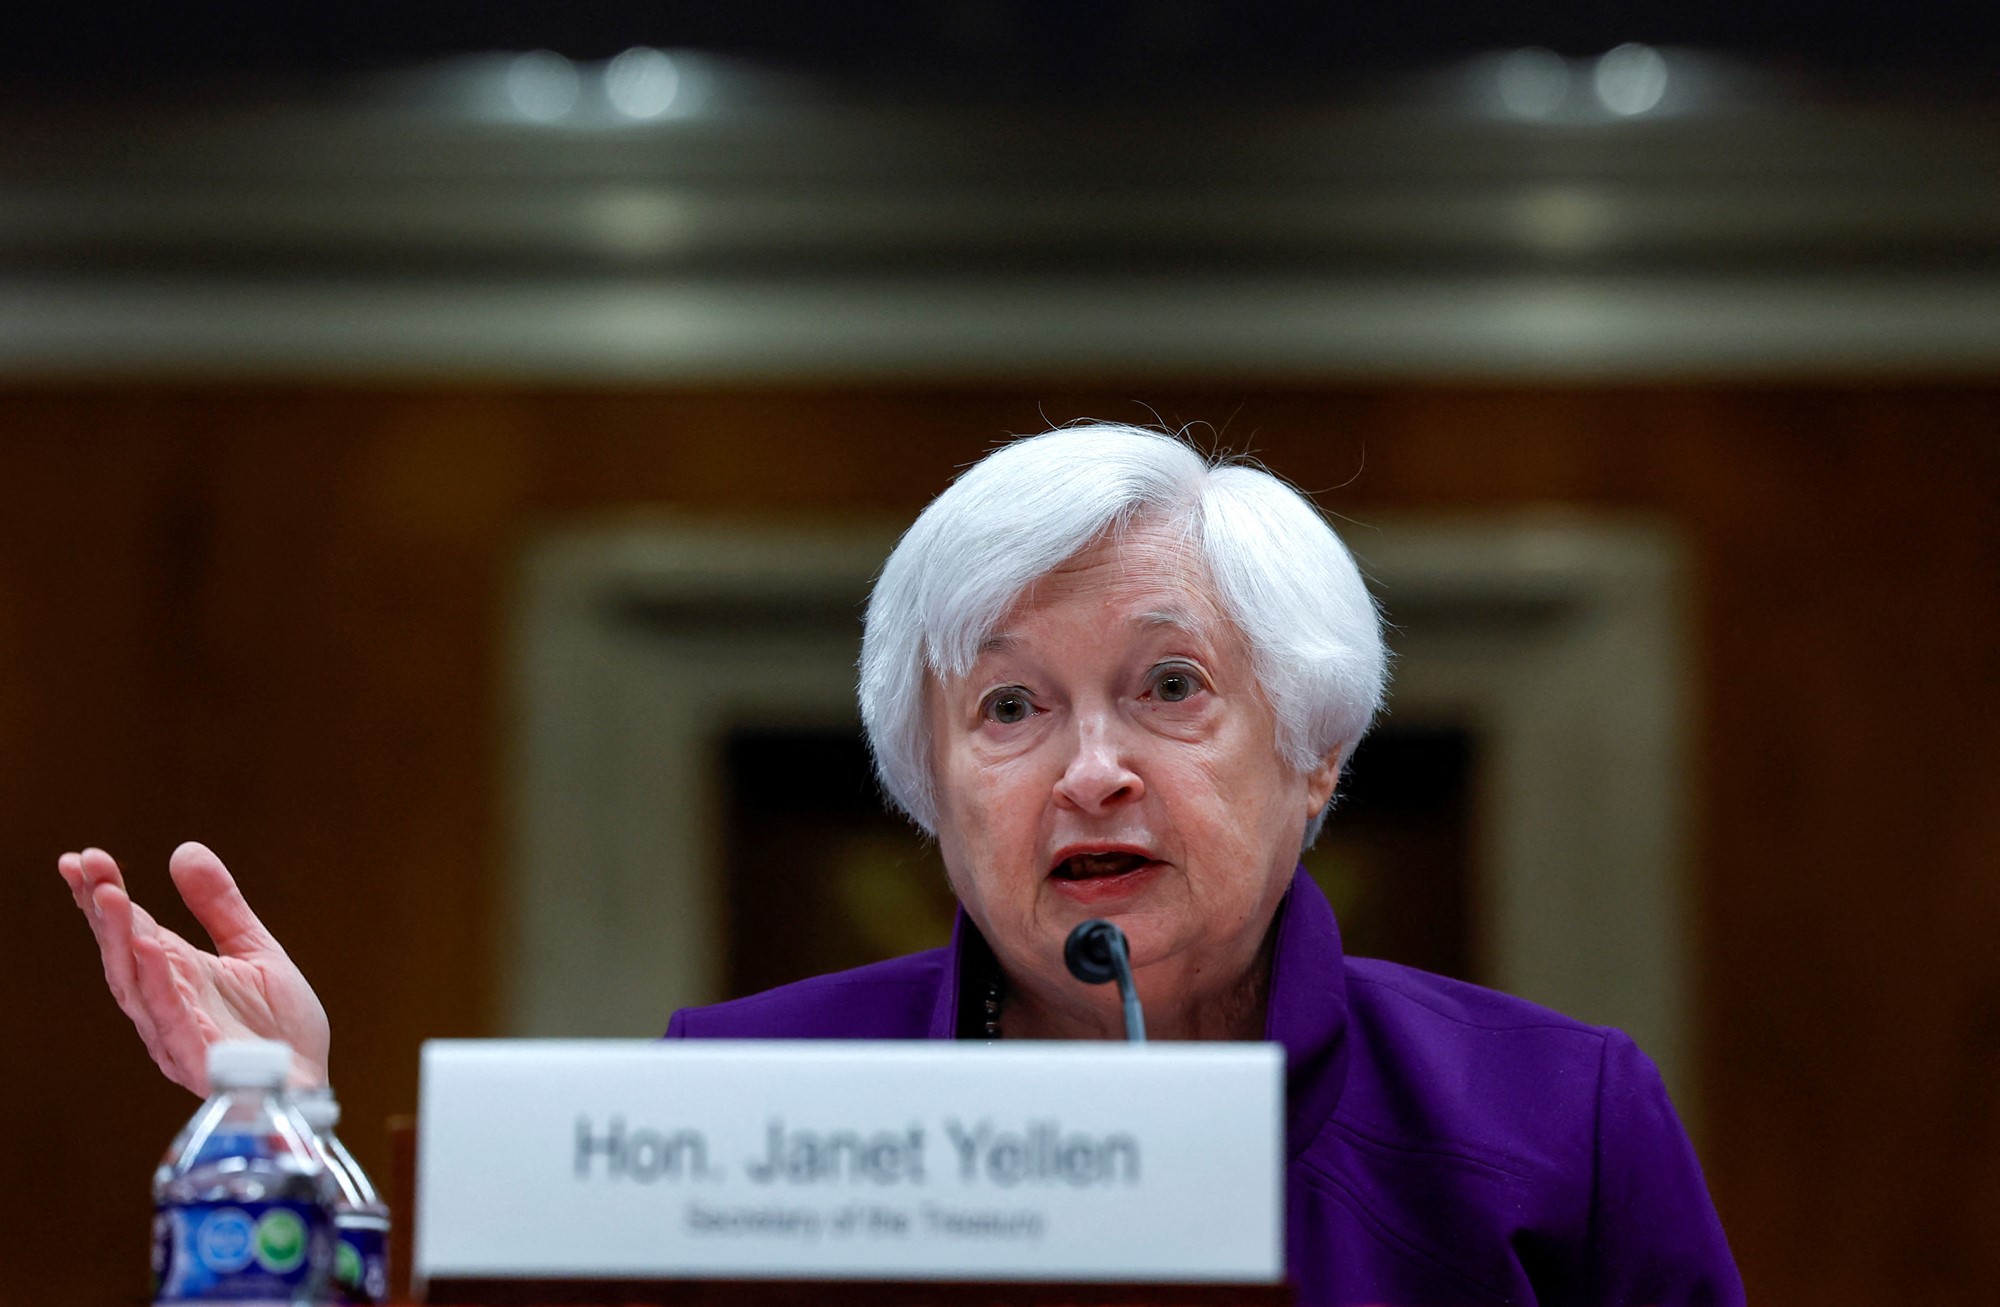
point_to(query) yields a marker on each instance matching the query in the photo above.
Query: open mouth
(1099, 866)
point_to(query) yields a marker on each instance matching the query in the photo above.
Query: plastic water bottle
(360, 1217)
(242, 1200)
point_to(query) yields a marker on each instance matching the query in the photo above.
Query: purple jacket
(1447, 1145)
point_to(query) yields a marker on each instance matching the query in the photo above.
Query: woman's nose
(1099, 775)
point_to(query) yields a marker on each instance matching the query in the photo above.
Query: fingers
(111, 921)
(138, 967)
(84, 872)
(71, 867)
(99, 891)
(114, 918)
(179, 1045)
(211, 894)
(134, 938)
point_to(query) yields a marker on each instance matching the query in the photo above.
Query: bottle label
(361, 1266)
(239, 1252)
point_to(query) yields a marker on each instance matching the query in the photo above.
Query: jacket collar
(966, 960)
(1307, 1011)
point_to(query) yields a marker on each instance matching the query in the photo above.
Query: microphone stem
(1128, 993)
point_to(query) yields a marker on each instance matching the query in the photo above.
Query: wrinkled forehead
(1144, 574)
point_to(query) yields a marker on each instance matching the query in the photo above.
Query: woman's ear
(1321, 782)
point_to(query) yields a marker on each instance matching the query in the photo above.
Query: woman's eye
(1008, 707)
(1174, 685)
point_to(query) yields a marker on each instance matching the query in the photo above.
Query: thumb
(211, 894)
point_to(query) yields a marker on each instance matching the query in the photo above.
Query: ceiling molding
(409, 229)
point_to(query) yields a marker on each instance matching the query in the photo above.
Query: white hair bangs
(1279, 571)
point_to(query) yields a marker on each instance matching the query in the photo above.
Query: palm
(181, 998)
(263, 997)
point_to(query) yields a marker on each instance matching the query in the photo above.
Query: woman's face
(1111, 755)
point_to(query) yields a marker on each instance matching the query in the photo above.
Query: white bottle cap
(248, 1064)
(319, 1107)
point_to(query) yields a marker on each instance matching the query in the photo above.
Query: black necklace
(996, 989)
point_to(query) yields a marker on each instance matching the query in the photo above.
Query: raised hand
(181, 999)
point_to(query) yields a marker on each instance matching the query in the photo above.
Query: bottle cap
(319, 1107)
(248, 1064)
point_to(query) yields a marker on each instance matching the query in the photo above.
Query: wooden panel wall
(274, 619)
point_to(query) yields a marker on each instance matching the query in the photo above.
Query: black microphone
(1094, 953)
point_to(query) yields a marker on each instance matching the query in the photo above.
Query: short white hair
(1281, 575)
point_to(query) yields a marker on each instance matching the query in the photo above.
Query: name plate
(828, 1160)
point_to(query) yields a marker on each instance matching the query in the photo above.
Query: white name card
(824, 1160)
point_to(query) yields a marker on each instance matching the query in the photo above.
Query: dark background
(1028, 40)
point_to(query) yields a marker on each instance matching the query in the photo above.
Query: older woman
(1114, 679)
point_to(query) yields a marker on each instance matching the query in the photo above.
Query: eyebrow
(1179, 619)
(998, 642)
